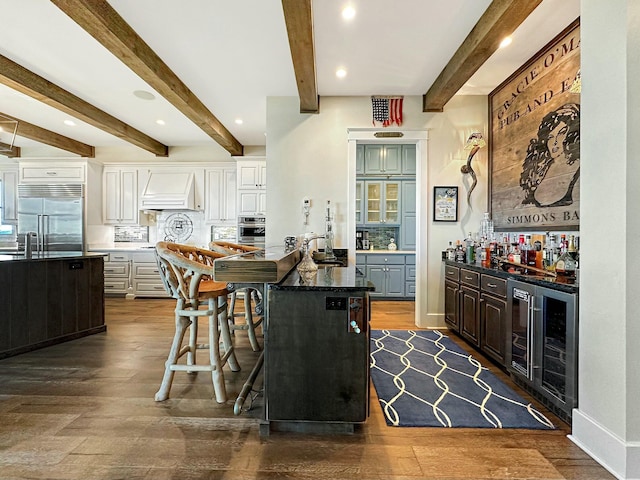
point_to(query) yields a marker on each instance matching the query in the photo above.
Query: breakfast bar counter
(316, 344)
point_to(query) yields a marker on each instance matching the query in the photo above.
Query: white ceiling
(234, 54)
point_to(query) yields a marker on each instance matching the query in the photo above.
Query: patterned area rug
(423, 379)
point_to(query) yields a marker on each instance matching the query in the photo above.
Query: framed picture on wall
(445, 204)
(534, 161)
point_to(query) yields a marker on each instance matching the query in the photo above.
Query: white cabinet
(220, 207)
(117, 274)
(252, 174)
(120, 196)
(9, 196)
(47, 172)
(146, 276)
(252, 187)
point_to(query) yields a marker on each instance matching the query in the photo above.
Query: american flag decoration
(386, 110)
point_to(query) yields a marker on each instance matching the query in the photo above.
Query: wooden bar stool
(186, 273)
(250, 325)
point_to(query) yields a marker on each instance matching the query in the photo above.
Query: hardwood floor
(85, 410)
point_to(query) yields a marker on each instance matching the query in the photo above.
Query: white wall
(307, 155)
(607, 421)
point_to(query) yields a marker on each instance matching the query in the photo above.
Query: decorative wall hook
(474, 143)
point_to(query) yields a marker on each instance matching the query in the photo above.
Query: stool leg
(193, 336)
(182, 323)
(217, 375)
(231, 314)
(248, 316)
(226, 334)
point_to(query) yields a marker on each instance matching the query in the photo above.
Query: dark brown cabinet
(470, 306)
(493, 318)
(49, 301)
(452, 297)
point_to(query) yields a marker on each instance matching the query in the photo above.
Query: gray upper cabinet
(408, 159)
(359, 159)
(382, 159)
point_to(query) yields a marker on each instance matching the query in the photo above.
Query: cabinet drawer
(410, 259)
(410, 272)
(452, 273)
(115, 286)
(470, 278)
(146, 270)
(494, 286)
(385, 259)
(117, 257)
(118, 269)
(149, 288)
(410, 289)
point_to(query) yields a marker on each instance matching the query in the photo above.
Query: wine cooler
(543, 356)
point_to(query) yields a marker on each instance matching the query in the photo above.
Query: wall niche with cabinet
(386, 194)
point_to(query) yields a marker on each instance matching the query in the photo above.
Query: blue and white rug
(423, 379)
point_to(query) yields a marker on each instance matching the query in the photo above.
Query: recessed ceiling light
(239, 121)
(506, 41)
(70, 123)
(160, 122)
(144, 95)
(341, 73)
(348, 13)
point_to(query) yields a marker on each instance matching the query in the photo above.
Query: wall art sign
(445, 204)
(534, 160)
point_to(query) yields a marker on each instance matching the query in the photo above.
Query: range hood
(169, 191)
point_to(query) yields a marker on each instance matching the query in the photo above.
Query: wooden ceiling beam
(38, 134)
(500, 20)
(299, 20)
(9, 151)
(104, 24)
(25, 81)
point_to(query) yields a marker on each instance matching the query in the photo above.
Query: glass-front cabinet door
(374, 202)
(359, 202)
(392, 202)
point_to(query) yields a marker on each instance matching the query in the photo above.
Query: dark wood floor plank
(85, 410)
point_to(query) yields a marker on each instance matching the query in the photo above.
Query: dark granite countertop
(36, 257)
(563, 284)
(331, 279)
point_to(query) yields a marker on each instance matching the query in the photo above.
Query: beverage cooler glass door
(559, 346)
(522, 329)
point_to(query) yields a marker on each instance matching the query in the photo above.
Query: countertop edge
(534, 280)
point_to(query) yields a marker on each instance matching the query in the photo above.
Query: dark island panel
(49, 301)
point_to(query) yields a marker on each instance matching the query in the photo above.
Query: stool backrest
(183, 267)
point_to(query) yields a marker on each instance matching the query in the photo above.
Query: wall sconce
(474, 143)
(8, 130)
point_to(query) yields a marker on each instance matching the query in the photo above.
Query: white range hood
(169, 191)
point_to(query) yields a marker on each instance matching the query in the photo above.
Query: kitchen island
(49, 298)
(316, 346)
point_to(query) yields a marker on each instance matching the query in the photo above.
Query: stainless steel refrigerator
(53, 215)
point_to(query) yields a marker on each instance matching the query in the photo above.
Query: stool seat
(186, 275)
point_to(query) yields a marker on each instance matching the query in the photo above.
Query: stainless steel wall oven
(543, 353)
(252, 230)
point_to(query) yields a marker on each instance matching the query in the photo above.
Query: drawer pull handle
(492, 285)
(468, 278)
(450, 273)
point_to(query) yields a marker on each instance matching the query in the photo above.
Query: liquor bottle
(566, 264)
(486, 227)
(470, 249)
(451, 252)
(528, 253)
(460, 253)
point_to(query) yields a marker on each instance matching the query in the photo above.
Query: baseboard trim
(433, 320)
(620, 458)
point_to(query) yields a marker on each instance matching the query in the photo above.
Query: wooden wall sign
(534, 141)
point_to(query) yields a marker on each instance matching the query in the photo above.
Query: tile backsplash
(130, 233)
